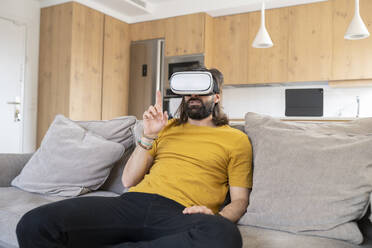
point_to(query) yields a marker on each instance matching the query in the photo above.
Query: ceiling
(132, 11)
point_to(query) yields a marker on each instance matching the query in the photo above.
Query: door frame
(23, 75)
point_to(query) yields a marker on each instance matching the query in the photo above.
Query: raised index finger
(159, 101)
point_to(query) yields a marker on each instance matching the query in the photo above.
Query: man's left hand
(197, 210)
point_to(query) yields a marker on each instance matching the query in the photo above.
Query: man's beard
(199, 112)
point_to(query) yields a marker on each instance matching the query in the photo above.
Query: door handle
(13, 103)
(17, 112)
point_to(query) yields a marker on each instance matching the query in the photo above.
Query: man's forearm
(137, 166)
(234, 210)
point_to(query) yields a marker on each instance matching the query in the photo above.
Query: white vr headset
(193, 82)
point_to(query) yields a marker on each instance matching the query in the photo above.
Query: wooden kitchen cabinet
(351, 59)
(147, 30)
(231, 45)
(269, 65)
(80, 76)
(115, 83)
(70, 64)
(55, 55)
(238, 60)
(310, 42)
(184, 35)
(86, 63)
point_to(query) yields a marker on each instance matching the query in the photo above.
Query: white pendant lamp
(262, 39)
(357, 29)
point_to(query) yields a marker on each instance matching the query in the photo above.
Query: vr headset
(193, 83)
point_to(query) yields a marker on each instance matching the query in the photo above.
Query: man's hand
(197, 210)
(154, 119)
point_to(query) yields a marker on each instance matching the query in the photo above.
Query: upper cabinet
(183, 34)
(310, 42)
(147, 30)
(309, 45)
(234, 55)
(269, 65)
(231, 42)
(351, 59)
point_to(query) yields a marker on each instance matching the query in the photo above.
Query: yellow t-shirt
(195, 165)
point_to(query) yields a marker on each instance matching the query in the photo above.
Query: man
(179, 176)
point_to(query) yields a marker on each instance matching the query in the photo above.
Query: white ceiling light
(357, 29)
(262, 39)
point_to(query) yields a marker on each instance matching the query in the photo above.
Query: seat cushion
(15, 202)
(254, 237)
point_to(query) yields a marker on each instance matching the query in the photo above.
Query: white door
(12, 64)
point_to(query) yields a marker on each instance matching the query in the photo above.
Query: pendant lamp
(357, 29)
(262, 39)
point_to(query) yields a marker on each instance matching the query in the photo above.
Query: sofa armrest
(10, 166)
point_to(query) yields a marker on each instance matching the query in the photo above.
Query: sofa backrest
(113, 182)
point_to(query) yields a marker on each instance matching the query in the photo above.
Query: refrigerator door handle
(159, 65)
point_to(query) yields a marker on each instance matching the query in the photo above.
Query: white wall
(27, 12)
(270, 100)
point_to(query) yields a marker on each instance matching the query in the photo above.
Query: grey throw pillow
(310, 178)
(119, 130)
(70, 161)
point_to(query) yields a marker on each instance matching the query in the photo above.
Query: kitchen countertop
(301, 118)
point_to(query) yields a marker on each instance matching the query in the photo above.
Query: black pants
(129, 220)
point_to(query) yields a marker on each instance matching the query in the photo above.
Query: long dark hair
(219, 118)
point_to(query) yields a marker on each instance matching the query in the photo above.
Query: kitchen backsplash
(270, 100)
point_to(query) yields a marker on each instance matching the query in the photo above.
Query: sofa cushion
(70, 161)
(114, 182)
(254, 237)
(138, 130)
(11, 165)
(14, 203)
(119, 130)
(310, 178)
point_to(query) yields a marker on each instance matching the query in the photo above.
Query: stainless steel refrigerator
(146, 74)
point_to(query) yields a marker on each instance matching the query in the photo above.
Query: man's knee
(222, 232)
(26, 223)
(229, 235)
(31, 223)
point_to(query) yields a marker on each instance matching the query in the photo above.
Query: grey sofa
(15, 202)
